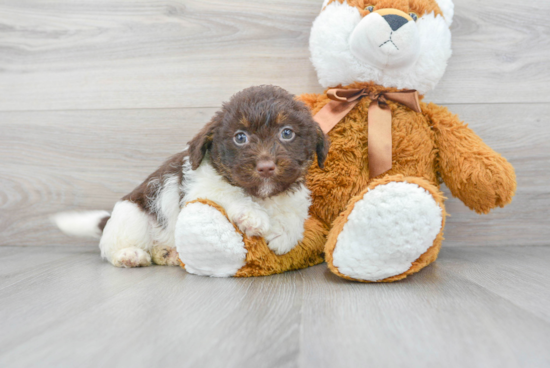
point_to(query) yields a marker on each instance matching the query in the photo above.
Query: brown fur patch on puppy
(146, 193)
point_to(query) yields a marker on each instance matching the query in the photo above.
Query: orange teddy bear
(378, 213)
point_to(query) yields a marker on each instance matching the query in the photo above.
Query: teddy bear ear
(448, 9)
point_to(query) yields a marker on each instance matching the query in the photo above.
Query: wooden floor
(475, 307)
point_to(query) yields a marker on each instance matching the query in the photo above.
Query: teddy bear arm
(473, 172)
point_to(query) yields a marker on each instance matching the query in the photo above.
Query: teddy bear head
(394, 43)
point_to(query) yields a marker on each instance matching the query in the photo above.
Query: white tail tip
(81, 224)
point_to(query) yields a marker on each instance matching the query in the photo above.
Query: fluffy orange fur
(419, 7)
(428, 148)
(473, 172)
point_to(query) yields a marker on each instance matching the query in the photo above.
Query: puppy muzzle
(386, 39)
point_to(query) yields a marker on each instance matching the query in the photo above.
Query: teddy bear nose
(266, 168)
(395, 21)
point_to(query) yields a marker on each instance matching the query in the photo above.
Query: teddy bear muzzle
(385, 39)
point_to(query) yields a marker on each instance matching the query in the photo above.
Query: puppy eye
(369, 8)
(414, 16)
(240, 138)
(287, 134)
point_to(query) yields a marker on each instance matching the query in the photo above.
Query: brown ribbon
(379, 120)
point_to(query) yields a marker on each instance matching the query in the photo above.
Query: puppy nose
(266, 168)
(395, 21)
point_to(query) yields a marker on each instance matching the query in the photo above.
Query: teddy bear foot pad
(387, 230)
(207, 242)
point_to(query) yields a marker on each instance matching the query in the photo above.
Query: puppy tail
(88, 224)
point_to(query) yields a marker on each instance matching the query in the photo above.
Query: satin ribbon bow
(379, 120)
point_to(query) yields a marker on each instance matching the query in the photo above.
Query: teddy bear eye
(240, 138)
(369, 8)
(414, 16)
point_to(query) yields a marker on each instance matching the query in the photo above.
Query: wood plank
(518, 274)
(499, 50)
(436, 318)
(20, 264)
(475, 307)
(89, 313)
(59, 55)
(67, 160)
(60, 161)
(116, 54)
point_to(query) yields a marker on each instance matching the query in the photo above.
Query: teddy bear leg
(262, 261)
(392, 229)
(209, 244)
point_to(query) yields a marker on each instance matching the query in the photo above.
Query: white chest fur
(279, 219)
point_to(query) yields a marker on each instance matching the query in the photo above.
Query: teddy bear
(377, 212)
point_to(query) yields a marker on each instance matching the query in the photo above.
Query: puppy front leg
(249, 216)
(288, 214)
(285, 233)
(126, 238)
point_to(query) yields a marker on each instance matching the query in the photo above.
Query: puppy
(251, 159)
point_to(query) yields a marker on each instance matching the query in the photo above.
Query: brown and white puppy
(251, 159)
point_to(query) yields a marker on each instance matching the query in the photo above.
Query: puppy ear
(201, 143)
(322, 147)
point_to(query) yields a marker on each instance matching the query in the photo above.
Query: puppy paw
(131, 257)
(252, 222)
(279, 243)
(165, 256)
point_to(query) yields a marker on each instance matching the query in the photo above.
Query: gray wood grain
(66, 160)
(82, 311)
(437, 318)
(514, 273)
(164, 54)
(475, 307)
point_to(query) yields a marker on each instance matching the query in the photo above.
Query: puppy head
(262, 140)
